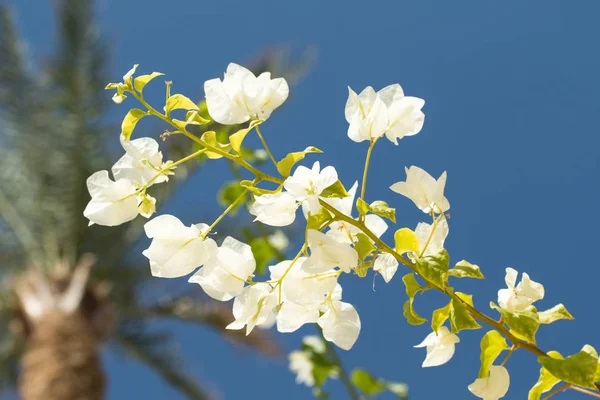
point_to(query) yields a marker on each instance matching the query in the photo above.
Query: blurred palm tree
(52, 137)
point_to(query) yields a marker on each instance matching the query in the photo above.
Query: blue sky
(511, 113)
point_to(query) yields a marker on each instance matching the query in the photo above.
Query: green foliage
(237, 138)
(179, 102)
(546, 381)
(523, 325)
(412, 288)
(336, 190)
(406, 241)
(130, 121)
(229, 192)
(285, 166)
(492, 344)
(578, 369)
(362, 206)
(367, 383)
(319, 219)
(434, 268)
(440, 316)
(554, 314)
(464, 269)
(377, 207)
(210, 137)
(142, 80)
(263, 253)
(364, 246)
(460, 318)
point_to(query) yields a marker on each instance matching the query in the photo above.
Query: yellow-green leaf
(412, 288)
(179, 101)
(464, 269)
(363, 246)
(362, 206)
(366, 382)
(434, 267)
(460, 319)
(554, 314)
(336, 190)
(381, 208)
(130, 121)
(546, 381)
(578, 369)
(256, 190)
(285, 166)
(492, 344)
(523, 324)
(210, 138)
(406, 240)
(317, 220)
(237, 138)
(194, 118)
(440, 316)
(142, 80)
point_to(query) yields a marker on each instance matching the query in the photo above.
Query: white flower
(423, 190)
(112, 203)
(386, 265)
(493, 387)
(293, 315)
(388, 111)
(275, 209)
(278, 240)
(176, 250)
(242, 96)
(127, 77)
(224, 275)
(141, 162)
(308, 184)
(440, 347)
(340, 324)
(515, 299)
(346, 233)
(436, 243)
(254, 307)
(315, 343)
(302, 366)
(327, 253)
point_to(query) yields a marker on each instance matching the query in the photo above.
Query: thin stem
(352, 393)
(363, 185)
(433, 227)
(513, 348)
(559, 389)
(228, 209)
(260, 136)
(586, 391)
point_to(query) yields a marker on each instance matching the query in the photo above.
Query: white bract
(306, 185)
(278, 240)
(112, 203)
(176, 250)
(440, 347)
(346, 233)
(387, 265)
(515, 299)
(275, 209)
(436, 243)
(302, 366)
(242, 96)
(327, 253)
(141, 163)
(340, 323)
(426, 192)
(494, 387)
(371, 114)
(254, 307)
(315, 343)
(223, 276)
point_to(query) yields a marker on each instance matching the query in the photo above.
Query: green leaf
(237, 138)
(142, 80)
(440, 316)
(554, 314)
(381, 208)
(256, 190)
(412, 288)
(285, 166)
(337, 190)
(406, 240)
(578, 369)
(434, 267)
(366, 382)
(362, 206)
(522, 324)
(179, 101)
(460, 319)
(210, 137)
(317, 220)
(546, 381)
(229, 192)
(194, 118)
(263, 253)
(364, 247)
(492, 344)
(464, 269)
(130, 121)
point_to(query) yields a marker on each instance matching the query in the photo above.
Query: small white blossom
(275, 209)
(308, 184)
(242, 96)
(112, 203)
(254, 307)
(515, 299)
(327, 253)
(302, 366)
(340, 323)
(436, 243)
(387, 265)
(440, 347)
(315, 343)
(176, 250)
(423, 190)
(493, 387)
(278, 240)
(223, 276)
(141, 163)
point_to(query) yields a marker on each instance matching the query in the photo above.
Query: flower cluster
(306, 288)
